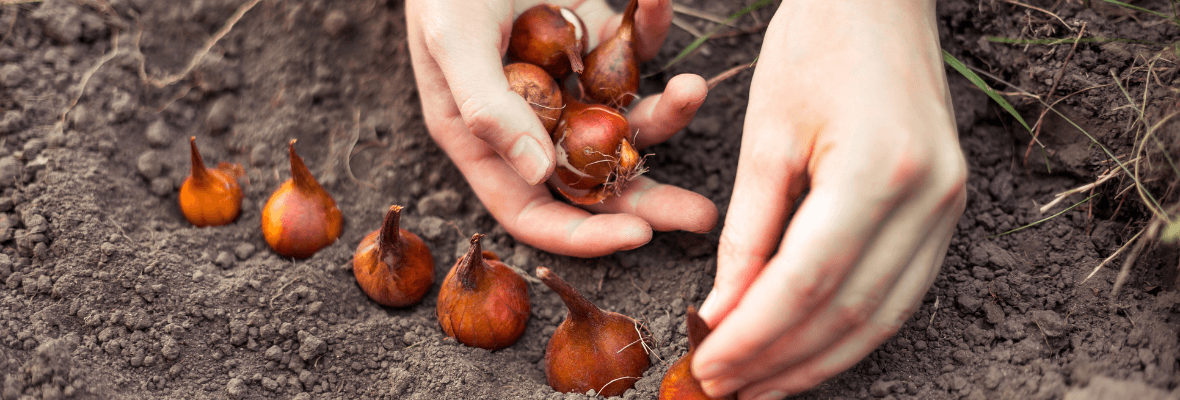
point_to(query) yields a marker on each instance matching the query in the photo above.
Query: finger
(803, 275)
(875, 278)
(531, 214)
(885, 323)
(664, 207)
(652, 20)
(658, 117)
(770, 177)
(468, 45)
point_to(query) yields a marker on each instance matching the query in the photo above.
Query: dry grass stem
(90, 72)
(198, 56)
(1057, 198)
(692, 12)
(729, 73)
(1111, 258)
(1041, 10)
(687, 27)
(1152, 230)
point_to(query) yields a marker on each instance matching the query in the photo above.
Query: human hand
(849, 101)
(499, 145)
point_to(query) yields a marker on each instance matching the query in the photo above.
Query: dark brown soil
(109, 293)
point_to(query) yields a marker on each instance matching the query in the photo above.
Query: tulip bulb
(300, 218)
(679, 383)
(482, 302)
(392, 265)
(538, 89)
(595, 157)
(551, 37)
(612, 69)
(210, 197)
(592, 349)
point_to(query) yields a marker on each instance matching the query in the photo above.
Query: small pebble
(244, 250)
(158, 134)
(224, 259)
(221, 114)
(9, 171)
(335, 23)
(150, 165)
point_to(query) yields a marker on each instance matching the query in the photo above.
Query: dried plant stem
(1152, 229)
(90, 72)
(1057, 198)
(729, 73)
(198, 56)
(1112, 256)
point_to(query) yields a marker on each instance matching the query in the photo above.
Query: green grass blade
(1050, 42)
(975, 79)
(692, 47)
(1044, 219)
(1137, 8)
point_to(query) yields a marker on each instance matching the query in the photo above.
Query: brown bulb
(595, 157)
(612, 69)
(592, 349)
(392, 265)
(300, 218)
(482, 302)
(679, 383)
(538, 89)
(210, 197)
(551, 37)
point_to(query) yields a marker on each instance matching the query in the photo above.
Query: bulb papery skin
(538, 89)
(550, 37)
(611, 75)
(592, 349)
(588, 142)
(393, 266)
(483, 303)
(209, 197)
(300, 218)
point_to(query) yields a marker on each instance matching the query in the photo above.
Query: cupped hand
(498, 143)
(849, 104)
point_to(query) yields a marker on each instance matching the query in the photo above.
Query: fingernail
(529, 160)
(720, 387)
(771, 395)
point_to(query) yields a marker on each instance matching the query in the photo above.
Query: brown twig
(90, 72)
(729, 73)
(1052, 89)
(198, 56)
(1151, 231)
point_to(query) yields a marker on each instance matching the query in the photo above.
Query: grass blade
(692, 47)
(975, 79)
(1137, 8)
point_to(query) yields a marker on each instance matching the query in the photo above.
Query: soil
(107, 292)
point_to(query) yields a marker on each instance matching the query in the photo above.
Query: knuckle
(850, 316)
(479, 118)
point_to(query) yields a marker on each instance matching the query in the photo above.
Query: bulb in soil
(482, 302)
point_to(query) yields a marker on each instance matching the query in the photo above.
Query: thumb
(468, 47)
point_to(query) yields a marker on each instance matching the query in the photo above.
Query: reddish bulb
(612, 69)
(538, 89)
(595, 157)
(392, 265)
(551, 37)
(210, 197)
(592, 349)
(679, 383)
(300, 218)
(482, 302)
